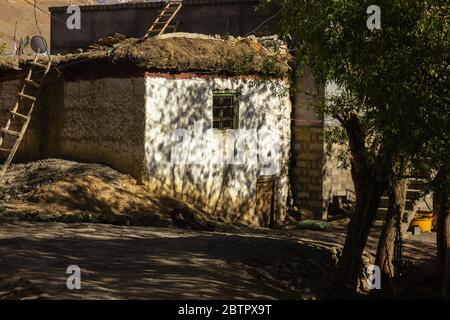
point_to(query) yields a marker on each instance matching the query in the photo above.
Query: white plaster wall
(226, 190)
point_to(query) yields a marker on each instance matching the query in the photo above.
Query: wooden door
(265, 201)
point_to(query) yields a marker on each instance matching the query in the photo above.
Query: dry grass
(179, 54)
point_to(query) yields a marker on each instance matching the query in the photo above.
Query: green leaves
(396, 79)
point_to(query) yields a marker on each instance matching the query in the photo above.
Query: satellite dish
(38, 44)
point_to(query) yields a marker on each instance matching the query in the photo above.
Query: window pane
(224, 110)
(226, 101)
(227, 124)
(228, 112)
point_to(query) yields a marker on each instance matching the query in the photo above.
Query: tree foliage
(394, 78)
(393, 101)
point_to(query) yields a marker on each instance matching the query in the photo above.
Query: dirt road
(159, 261)
(167, 263)
(137, 263)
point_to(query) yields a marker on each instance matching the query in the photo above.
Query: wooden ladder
(162, 22)
(20, 115)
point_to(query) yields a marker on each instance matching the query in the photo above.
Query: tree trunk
(369, 186)
(443, 246)
(408, 217)
(349, 266)
(386, 244)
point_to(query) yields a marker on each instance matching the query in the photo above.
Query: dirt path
(137, 263)
(164, 263)
(159, 261)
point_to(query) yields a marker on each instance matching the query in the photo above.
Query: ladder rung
(20, 115)
(165, 17)
(40, 65)
(14, 112)
(33, 83)
(10, 132)
(23, 95)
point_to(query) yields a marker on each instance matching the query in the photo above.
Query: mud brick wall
(307, 172)
(8, 98)
(308, 169)
(96, 120)
(102, 121)
(337, 180)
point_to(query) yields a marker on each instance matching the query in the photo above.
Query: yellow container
(424, 221)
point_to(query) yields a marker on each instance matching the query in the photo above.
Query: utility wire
(266, 110)
(15, 31)
(35, 18)
(264, 23)
(44, 11)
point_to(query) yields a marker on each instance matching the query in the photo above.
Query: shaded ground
(120, 262)
(181, 254)
(136, 263)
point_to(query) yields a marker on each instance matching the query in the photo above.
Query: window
(225, 110)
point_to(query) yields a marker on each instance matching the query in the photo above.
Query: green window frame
(225, 110)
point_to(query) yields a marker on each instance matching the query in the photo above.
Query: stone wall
(308, 165)
(227, 190)
(337, 179)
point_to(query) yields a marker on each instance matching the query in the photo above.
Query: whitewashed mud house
(190, 116)
(119, 107)
(315, 181)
